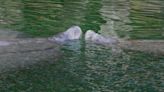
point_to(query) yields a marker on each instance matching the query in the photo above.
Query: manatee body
(97, 38)
(72, 33)
(4, 43)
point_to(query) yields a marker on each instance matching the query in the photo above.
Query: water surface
(130, 19)
(88, 67)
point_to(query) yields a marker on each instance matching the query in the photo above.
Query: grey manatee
(4, 43)
(75, 32)
(94, 37)
(72, 33)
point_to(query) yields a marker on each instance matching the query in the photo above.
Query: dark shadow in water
(93, 17)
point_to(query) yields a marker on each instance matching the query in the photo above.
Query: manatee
(4, 43)
(72, 33)
(97, 38)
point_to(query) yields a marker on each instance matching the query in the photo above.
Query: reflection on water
(10, 13)
(134, 19)
(44, 18)
(147, 19)
(90, 68)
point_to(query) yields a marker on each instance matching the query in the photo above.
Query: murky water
(88, 67)
(130, 19)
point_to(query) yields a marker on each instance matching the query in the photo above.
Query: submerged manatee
(97, 38)
(4, 43)
(72, 33)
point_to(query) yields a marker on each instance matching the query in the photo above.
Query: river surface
(86, 67)
(133, 19)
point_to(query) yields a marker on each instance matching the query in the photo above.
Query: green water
(90, 68)
(86, 67)
(134, 19)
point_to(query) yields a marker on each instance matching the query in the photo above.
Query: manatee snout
(75, 33)
(97, 38)
(72, 33)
